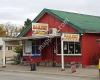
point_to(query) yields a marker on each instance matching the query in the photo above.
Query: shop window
(71, 48)
(65, 46)
(35, 48)
(9, 47)
(28, 47)
(77, 48)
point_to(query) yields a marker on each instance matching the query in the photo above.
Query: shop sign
(70, 37)
(39, 29)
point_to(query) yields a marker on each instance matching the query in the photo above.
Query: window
(35, 48)
(9, 47)
(58, 46)
(65, 47)
(28, 47)
(71, 48)
(0, 47)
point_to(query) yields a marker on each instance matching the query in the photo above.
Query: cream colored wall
(9, 53)
(0, 54)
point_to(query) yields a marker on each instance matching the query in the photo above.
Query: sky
(17, 11)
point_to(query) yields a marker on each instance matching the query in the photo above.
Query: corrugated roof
(82, 23)
(86, 23)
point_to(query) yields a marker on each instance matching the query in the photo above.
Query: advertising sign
(70, 37)
(39, 29)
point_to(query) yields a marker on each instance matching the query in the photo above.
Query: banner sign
(39, 29)
(70, 37)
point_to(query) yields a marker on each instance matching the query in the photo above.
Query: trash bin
(33, 67)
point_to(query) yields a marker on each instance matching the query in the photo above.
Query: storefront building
(55, 32)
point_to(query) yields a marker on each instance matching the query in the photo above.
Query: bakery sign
(39, 29)
(70, 37)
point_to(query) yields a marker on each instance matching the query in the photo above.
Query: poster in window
(71, 48)
(28, 47)
(65, 47)
(77, 48)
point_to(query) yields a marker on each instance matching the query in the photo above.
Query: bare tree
(12, 30)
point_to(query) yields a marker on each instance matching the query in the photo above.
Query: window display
(71, 48)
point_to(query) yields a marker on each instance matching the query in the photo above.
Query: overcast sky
(17, 11)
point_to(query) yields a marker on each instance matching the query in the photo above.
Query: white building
(9, 49)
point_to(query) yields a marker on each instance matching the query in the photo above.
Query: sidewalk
(81, 72)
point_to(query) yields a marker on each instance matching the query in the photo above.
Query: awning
(31, 37)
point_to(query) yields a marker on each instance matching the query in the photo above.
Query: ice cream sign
(70, 37)
(39, 29)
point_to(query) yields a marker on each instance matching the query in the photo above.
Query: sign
(70, 37)
(99, 65)
(39, 29)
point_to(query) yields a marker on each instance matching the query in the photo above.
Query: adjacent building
(9, 49)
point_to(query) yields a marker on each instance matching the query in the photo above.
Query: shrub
(18, 57)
